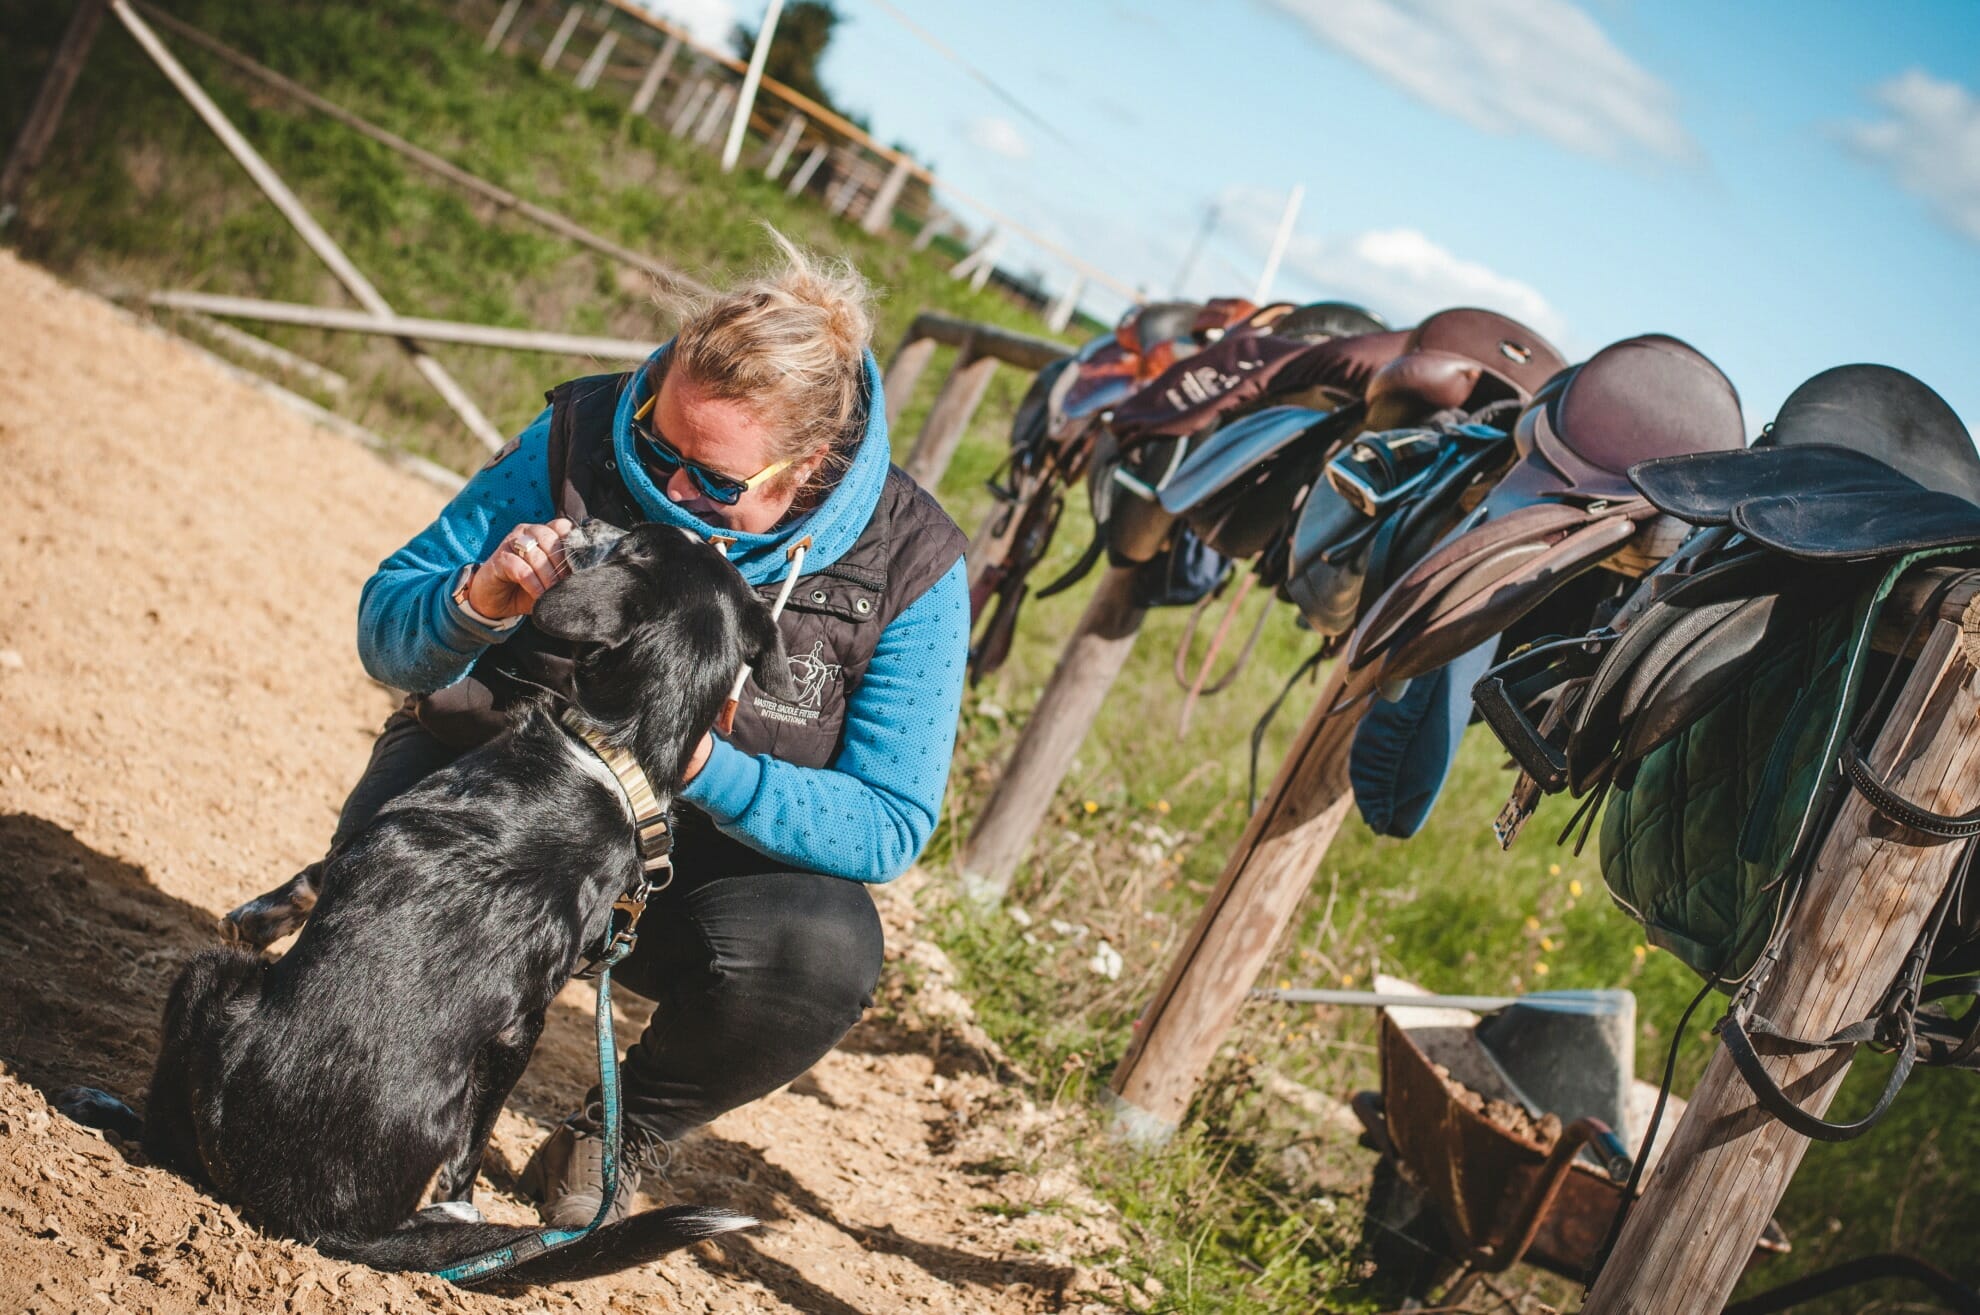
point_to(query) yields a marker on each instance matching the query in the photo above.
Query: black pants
(756, 970)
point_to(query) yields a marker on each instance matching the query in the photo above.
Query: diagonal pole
(298, 215)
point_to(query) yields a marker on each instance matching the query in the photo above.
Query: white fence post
(694, 98)
(805, 171)
(1061, 312)
(656, 73)
(881, 213)
(711, 120)
(500, 28)
(555, 50)
(588, 76)
(787, 140)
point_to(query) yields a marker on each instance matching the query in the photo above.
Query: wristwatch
(469, 610)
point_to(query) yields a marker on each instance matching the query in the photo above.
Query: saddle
(1564, 507)
(1149, 438)
(1719, 712)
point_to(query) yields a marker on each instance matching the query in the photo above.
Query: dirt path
(180, 713)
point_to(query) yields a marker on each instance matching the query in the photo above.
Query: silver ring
(522, 543)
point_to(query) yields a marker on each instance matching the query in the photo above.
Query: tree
(803, 33)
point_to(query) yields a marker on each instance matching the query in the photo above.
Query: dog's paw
(95, 1108)
(267, 918)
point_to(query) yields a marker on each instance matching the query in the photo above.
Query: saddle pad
(1897, 518)
(1667, 845)
(1403, 749)
(1704, 487)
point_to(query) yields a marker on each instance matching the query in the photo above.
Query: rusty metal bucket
(1501, 1195)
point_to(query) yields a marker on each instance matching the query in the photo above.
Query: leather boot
(566, 1175)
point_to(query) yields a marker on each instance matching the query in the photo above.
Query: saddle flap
(1481, 537)
(1233, 452)
(1898, 518)
(1498, 592)
(1704, 487)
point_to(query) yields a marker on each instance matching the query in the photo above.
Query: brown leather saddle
(1565, 505)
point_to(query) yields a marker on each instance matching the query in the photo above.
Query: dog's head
(662, 623)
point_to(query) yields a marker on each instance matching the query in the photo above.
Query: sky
(1787, 186)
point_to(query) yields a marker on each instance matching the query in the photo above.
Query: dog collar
(656, 837)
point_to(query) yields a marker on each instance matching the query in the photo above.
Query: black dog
(322, 1093)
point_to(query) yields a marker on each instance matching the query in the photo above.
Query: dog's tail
(430, 1242)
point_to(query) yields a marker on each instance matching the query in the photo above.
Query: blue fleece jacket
(866, 815)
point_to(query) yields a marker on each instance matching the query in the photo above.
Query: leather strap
(1940, 826)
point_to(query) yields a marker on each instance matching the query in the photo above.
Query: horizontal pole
(402, 326)
(1481, 1004)
(1019, 349)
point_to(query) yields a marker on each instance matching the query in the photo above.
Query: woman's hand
(528, 561)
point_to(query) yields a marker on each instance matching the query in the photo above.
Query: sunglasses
(661, 460)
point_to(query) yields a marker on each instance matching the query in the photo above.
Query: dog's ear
(596, 606)
(769, 660)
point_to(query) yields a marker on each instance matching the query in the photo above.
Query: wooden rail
(979, 347)
(403, 326)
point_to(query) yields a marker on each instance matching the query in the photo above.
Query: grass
(1256, 1206)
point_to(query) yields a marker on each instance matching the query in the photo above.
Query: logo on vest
(811, 672)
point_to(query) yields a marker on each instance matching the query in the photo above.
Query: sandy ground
(181, 711)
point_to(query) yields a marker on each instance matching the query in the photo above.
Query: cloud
(708, 21)
(997, 136)
(1507, 67)
(1399, 273)
(1930, 144)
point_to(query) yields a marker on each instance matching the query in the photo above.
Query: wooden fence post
(1262, 883)
(594, 66)
(31, 143)
(656, 73)
(961, 391)
(555, 50)
(711, 118)
(1062, 309)
(805, 171)
(682, 94)
(937, 225)
(1871, 890)
(880, 213)
(787, 140)
(904, 372)
(1052, 734)
(500, 27)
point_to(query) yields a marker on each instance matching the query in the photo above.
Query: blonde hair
(790, 344)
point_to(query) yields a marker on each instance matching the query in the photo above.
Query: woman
(762, 424)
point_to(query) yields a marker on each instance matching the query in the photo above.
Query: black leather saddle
(1864, 464)
(1721, 710)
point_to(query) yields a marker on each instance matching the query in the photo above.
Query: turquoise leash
(549, 1239)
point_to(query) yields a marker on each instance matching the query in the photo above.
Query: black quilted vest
(831, 625)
